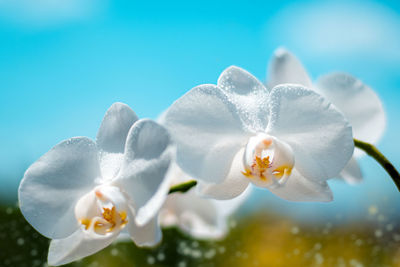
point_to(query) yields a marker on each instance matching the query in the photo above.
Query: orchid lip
(102, 210)
(267, 161)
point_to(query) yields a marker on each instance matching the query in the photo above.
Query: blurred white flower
(360, 105)
(199, 217)
(289, 140)
(82, 194)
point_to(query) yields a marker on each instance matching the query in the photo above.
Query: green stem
(183, 187)
(381, 159)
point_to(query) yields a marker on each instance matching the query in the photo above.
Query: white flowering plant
(196, 165)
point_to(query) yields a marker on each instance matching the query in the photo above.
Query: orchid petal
(110, 165)
(207, 131)
(77, 246)
(148, 235)
(359, 103)
(143, 173)
(229, 206)
(234, 184)
(194, 215)
(319, 135)
(87, 207)
(351, 174)
(199, 217)
(124, 236)
(249, 96)
(53, 184)
(114, 128)
(299, 188)
(286, 68)
(236, 80)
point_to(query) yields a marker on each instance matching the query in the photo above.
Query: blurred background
(63, 63)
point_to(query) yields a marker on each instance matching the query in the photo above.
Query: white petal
(359, 103)
(143, 175)
(54, 183)
(249, 96)
(110, 164)
(299, 188)
(351, 174)
(228, 207)
(202, 218)
(178, 176)
(87, 207)
(194, 215)
(207, 131)
(124, 236)
(238, 81)
(234, 184)
(148, 235)
(114, 128)
(319, 135)
(286, 68)
(77, 246)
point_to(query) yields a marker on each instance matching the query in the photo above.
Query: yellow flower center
(267, 161)
(97, 211)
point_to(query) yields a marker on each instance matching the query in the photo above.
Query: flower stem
(381, 159)
(183, 187)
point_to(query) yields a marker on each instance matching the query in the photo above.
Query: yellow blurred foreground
(263, 239)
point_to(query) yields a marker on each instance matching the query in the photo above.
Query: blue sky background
(62, 66)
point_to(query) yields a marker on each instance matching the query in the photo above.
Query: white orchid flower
(81, 193)
(199, 217)
(359, 103)
(289, 140)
